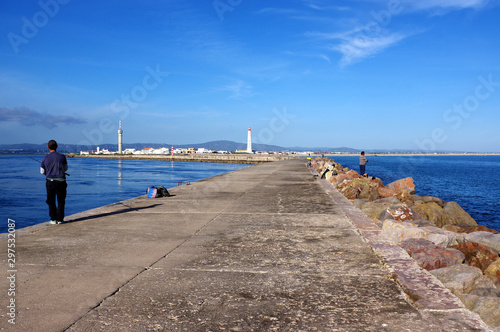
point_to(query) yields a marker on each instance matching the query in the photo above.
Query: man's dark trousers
(56, 189)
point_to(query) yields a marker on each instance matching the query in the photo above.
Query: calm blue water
(92, 183)
(471, 181)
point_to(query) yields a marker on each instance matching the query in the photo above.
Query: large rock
(350, 192)
(488, 239)
(484, 286)
(493, 270)
(431, 257)
(490, 291)
(458, 278)
(399, 213)
(385, 192)
(456, 215)
(488, 308)
(469, 229)
(404, 196)
(372, 210)
(431, 211)
(477, 255)
(430, 199)
(402, 184)
(363, 185)
(359, 202)
(396, 232)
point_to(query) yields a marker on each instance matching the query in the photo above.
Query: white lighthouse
(120, 133)
(249, 140)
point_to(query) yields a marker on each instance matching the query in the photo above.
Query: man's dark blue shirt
(54, 165)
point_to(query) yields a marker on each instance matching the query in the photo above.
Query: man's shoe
(59, 222)
(53, 222)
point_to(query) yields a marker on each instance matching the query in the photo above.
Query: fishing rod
(41, 163)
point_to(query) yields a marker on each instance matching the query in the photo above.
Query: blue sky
(366, 74)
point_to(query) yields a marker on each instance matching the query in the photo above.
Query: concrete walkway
(266, 248)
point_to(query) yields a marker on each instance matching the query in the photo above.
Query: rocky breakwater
(440, 236)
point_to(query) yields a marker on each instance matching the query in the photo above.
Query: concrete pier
(266, 248)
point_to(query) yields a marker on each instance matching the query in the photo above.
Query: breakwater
(265, 248)
(440, 236)
(209, 158)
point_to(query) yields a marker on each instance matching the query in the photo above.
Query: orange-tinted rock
(384, 192)
(477, 255)
(493, 270)
(468, 229)
(404, 196)
(430, 256)
(403, 184)
(350, 192)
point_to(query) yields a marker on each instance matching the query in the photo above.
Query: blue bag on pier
(152, 192)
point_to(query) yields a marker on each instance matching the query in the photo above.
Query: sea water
(472, 181)
(92, 183)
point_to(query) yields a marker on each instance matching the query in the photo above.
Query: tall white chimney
(120, 133)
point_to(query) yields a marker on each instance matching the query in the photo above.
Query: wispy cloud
(238, 90)
(320, 5)
(29, 117)
(363, 41)
(355, 45)
(355, 48)
(449, 4)
(209, 114)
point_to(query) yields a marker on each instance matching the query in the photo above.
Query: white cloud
(209, 114)
(238, 90)
(358, 46)
(451, 4)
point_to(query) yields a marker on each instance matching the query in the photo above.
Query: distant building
(203, 150)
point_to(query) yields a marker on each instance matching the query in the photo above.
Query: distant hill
(223, 145)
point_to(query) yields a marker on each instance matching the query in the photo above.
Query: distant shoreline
(410, 154)
(209, 158)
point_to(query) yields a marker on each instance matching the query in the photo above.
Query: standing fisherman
(54, 166)
(362, 163)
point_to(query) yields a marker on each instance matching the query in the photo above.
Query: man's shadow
(106, 214)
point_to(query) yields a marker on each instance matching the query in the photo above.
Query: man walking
(362, 163)
(54, 166)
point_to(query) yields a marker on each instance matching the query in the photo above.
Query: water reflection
(120, 172)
